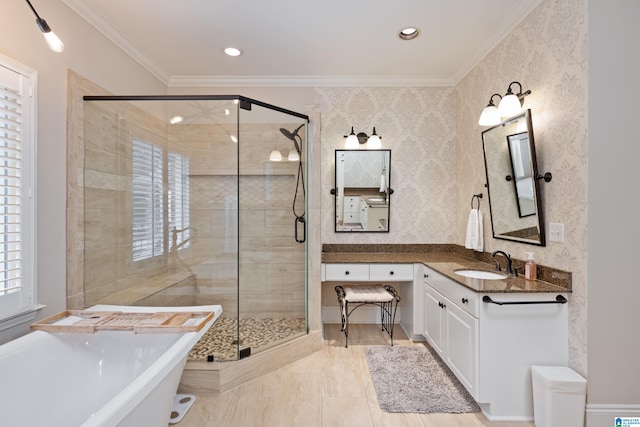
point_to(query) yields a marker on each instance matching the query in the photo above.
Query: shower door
(186, 203)
(272, 240)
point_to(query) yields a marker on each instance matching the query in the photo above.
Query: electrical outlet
(556, 232)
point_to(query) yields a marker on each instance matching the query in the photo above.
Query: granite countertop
(445, 263)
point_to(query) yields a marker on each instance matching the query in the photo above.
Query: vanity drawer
(351, 204)
(391, 272)
(465, 298)
(350, 217)
(347, 272)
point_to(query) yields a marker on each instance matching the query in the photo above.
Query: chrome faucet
(507, 257)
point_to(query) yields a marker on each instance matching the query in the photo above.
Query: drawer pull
(442, 305)
(346, 273)
(426, 275)
(464, 300)
(391, 273)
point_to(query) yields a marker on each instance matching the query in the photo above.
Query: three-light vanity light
(510, 105)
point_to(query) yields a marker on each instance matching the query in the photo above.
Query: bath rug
(181, 404)
(415, 380)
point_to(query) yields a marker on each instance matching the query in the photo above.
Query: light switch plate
(556, 232)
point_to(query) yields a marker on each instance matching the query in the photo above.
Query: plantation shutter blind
(14, 103)
(148, 211)
(178, 171)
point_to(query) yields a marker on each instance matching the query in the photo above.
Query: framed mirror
(362, 190)
(513, 181)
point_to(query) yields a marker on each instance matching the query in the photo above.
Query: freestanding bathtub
(107, 379)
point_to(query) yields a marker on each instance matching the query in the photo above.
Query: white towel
(383, 185)
(474, 231)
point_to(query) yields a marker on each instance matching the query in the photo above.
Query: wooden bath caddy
(140, 323)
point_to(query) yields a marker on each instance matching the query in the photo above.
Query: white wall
(92, 55)
(614, 233)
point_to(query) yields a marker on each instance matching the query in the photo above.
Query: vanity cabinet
(452, 333)
(351, 213)
(403, 278)
(490, 345)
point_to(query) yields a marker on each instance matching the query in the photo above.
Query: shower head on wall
(292, 136)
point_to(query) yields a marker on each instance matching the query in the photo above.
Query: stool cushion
(366, 293)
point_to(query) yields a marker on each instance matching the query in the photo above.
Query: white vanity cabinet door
(391, 272)
(364, 214)
(461, 342)
(347, 272)
(453, 333)
(434, 320)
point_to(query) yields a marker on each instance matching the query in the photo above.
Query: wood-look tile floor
(330, 388)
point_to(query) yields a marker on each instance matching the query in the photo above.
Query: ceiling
(305, 42)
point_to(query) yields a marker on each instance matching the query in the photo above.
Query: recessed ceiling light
(232, 51)
(409, 33)
(176, 119)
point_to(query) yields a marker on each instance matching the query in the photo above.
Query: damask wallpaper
(418, 125)
(437, 159)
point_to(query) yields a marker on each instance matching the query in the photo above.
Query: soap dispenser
(530, 267)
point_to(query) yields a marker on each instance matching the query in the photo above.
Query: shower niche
(198, 200)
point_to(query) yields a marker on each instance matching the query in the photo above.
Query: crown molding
(501, 32)
(306, 81)
(103, 26)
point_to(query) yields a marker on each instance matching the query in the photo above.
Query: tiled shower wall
(271, 280)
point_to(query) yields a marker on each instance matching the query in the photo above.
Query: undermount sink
(480, 274)
(375, 199)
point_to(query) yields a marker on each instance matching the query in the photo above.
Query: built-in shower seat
(384, 296)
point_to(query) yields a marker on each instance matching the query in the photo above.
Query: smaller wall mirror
(362, 190)
(513, 181)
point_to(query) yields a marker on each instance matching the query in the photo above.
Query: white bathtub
(109, 378)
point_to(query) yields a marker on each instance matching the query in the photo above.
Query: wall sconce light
(54, 42)
(490, 116)
(353, 140)
(511, 104)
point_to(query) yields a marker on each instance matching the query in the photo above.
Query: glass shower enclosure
(194, 200)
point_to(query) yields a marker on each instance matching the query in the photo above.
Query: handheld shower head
(292, 136)
(299, 182)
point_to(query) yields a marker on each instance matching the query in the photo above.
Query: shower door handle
(300, 220)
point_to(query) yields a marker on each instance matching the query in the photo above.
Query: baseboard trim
(604, 415)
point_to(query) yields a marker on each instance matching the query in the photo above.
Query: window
(148, 200)
(17, 145)
(148, 212)
(179, 201)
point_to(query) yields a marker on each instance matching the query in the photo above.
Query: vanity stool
(383, 296)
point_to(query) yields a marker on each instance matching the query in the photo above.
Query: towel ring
(476, 196)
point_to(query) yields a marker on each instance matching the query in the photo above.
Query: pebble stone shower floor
(256, 333)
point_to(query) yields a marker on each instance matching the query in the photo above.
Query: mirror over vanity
(513, 181)
(362, 190)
